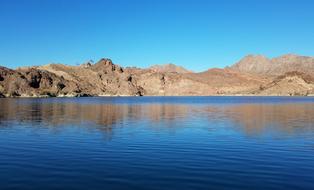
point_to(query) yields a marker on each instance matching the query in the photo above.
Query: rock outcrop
(32, 82)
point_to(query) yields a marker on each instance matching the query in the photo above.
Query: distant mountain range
(169, 68)
(287, 75)
(277, 66)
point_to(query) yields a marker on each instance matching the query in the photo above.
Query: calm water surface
(157, 143)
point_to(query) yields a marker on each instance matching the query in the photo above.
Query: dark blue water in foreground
(157, 143)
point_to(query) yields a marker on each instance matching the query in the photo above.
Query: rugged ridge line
(286, 75)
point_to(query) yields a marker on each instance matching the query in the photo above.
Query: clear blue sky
(197, 34)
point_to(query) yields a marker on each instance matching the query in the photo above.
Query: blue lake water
(157, 143)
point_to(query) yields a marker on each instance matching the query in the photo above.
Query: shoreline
(104, 96)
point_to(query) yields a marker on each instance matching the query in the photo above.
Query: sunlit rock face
(258, 64)
(288, 75)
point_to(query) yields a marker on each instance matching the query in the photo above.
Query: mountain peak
(255, 56)
(87, 64)
(258, 64)
(253, 64)
(104, 61)
(169, 68)
(106, 65)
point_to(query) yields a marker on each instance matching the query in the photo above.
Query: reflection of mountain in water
(102, 116)
(257, 118)
(252, 118)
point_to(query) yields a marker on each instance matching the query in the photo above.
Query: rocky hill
(169, 68)
(291, 83)
(34, 82)
(227, 81)
(253, 75)
(258, 64)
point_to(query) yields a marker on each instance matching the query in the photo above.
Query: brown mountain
(262, 65)
(34, 82)
(103, 78)
(169, 68)
(253, 75)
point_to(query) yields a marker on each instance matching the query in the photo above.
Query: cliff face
(34, 82)
(253, 75)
